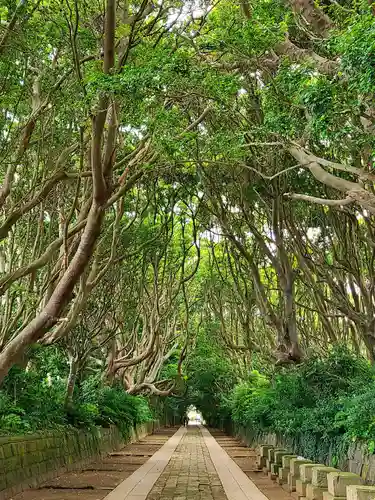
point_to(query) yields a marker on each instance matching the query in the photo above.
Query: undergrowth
(31, 402)
(321, 406)
(318, 407)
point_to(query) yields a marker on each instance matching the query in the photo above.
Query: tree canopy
(184, 175)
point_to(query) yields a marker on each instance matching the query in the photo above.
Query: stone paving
(190, 473)
(183, 464)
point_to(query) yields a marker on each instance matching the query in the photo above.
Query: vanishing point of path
(183, 464)
(190, 473)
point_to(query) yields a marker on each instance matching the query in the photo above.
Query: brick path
(190, 473)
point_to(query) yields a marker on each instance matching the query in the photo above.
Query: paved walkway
(191, 465)
(190, 473)
(187, 464)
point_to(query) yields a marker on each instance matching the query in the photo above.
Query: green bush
(35, 402)
(113, 406)
(357, 415)
(119, 408)
(321, 405)
(29, 402)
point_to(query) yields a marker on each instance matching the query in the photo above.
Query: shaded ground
(190, 473)
(96, 480)
(245, 459)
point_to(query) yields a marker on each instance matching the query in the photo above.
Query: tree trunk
(71, 382)
(59, 298)
(291, 334)
(62, 294)
(313, 16)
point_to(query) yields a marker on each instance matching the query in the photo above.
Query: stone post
(284, 466)
(305, 472)
(275, 467)
(294, 473)
(337, 483)
(319, 482)
(271, 458)
(355, 492)
(262, 454)
(284, 470)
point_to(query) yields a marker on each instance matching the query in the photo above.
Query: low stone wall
(355, 458)
(29, 460)
(361, 461)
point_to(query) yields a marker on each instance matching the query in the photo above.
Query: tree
(168, 168)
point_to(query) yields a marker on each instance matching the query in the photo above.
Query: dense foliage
(317, 397)
(34, 400)
(319, 407)
(187, 195)
(210, 378)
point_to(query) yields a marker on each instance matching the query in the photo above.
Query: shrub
(29, 402)
(113, 406)
(357, 415)
(325, 397)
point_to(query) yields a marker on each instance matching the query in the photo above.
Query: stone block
(305, 471)
(11, 478)
(364, 471)
(275, 469)
(283, 475)
(41, 444)
(286, 460)
(301, 487)
(314, 492)
(328, 496)
(355, 492)
(338, 481)
(261, 462)
(21, 449)
(355, 466)
(271, 453)
(291, 482)
(370, 478)
(263, 450)
(279, 456)
(295, 465)
(319, 476)
(3, 483)
(43, 467)
(7, 450)
(359, 452)
(14, 447)
(10, 464)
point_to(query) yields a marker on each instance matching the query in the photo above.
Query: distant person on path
(185, 420)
